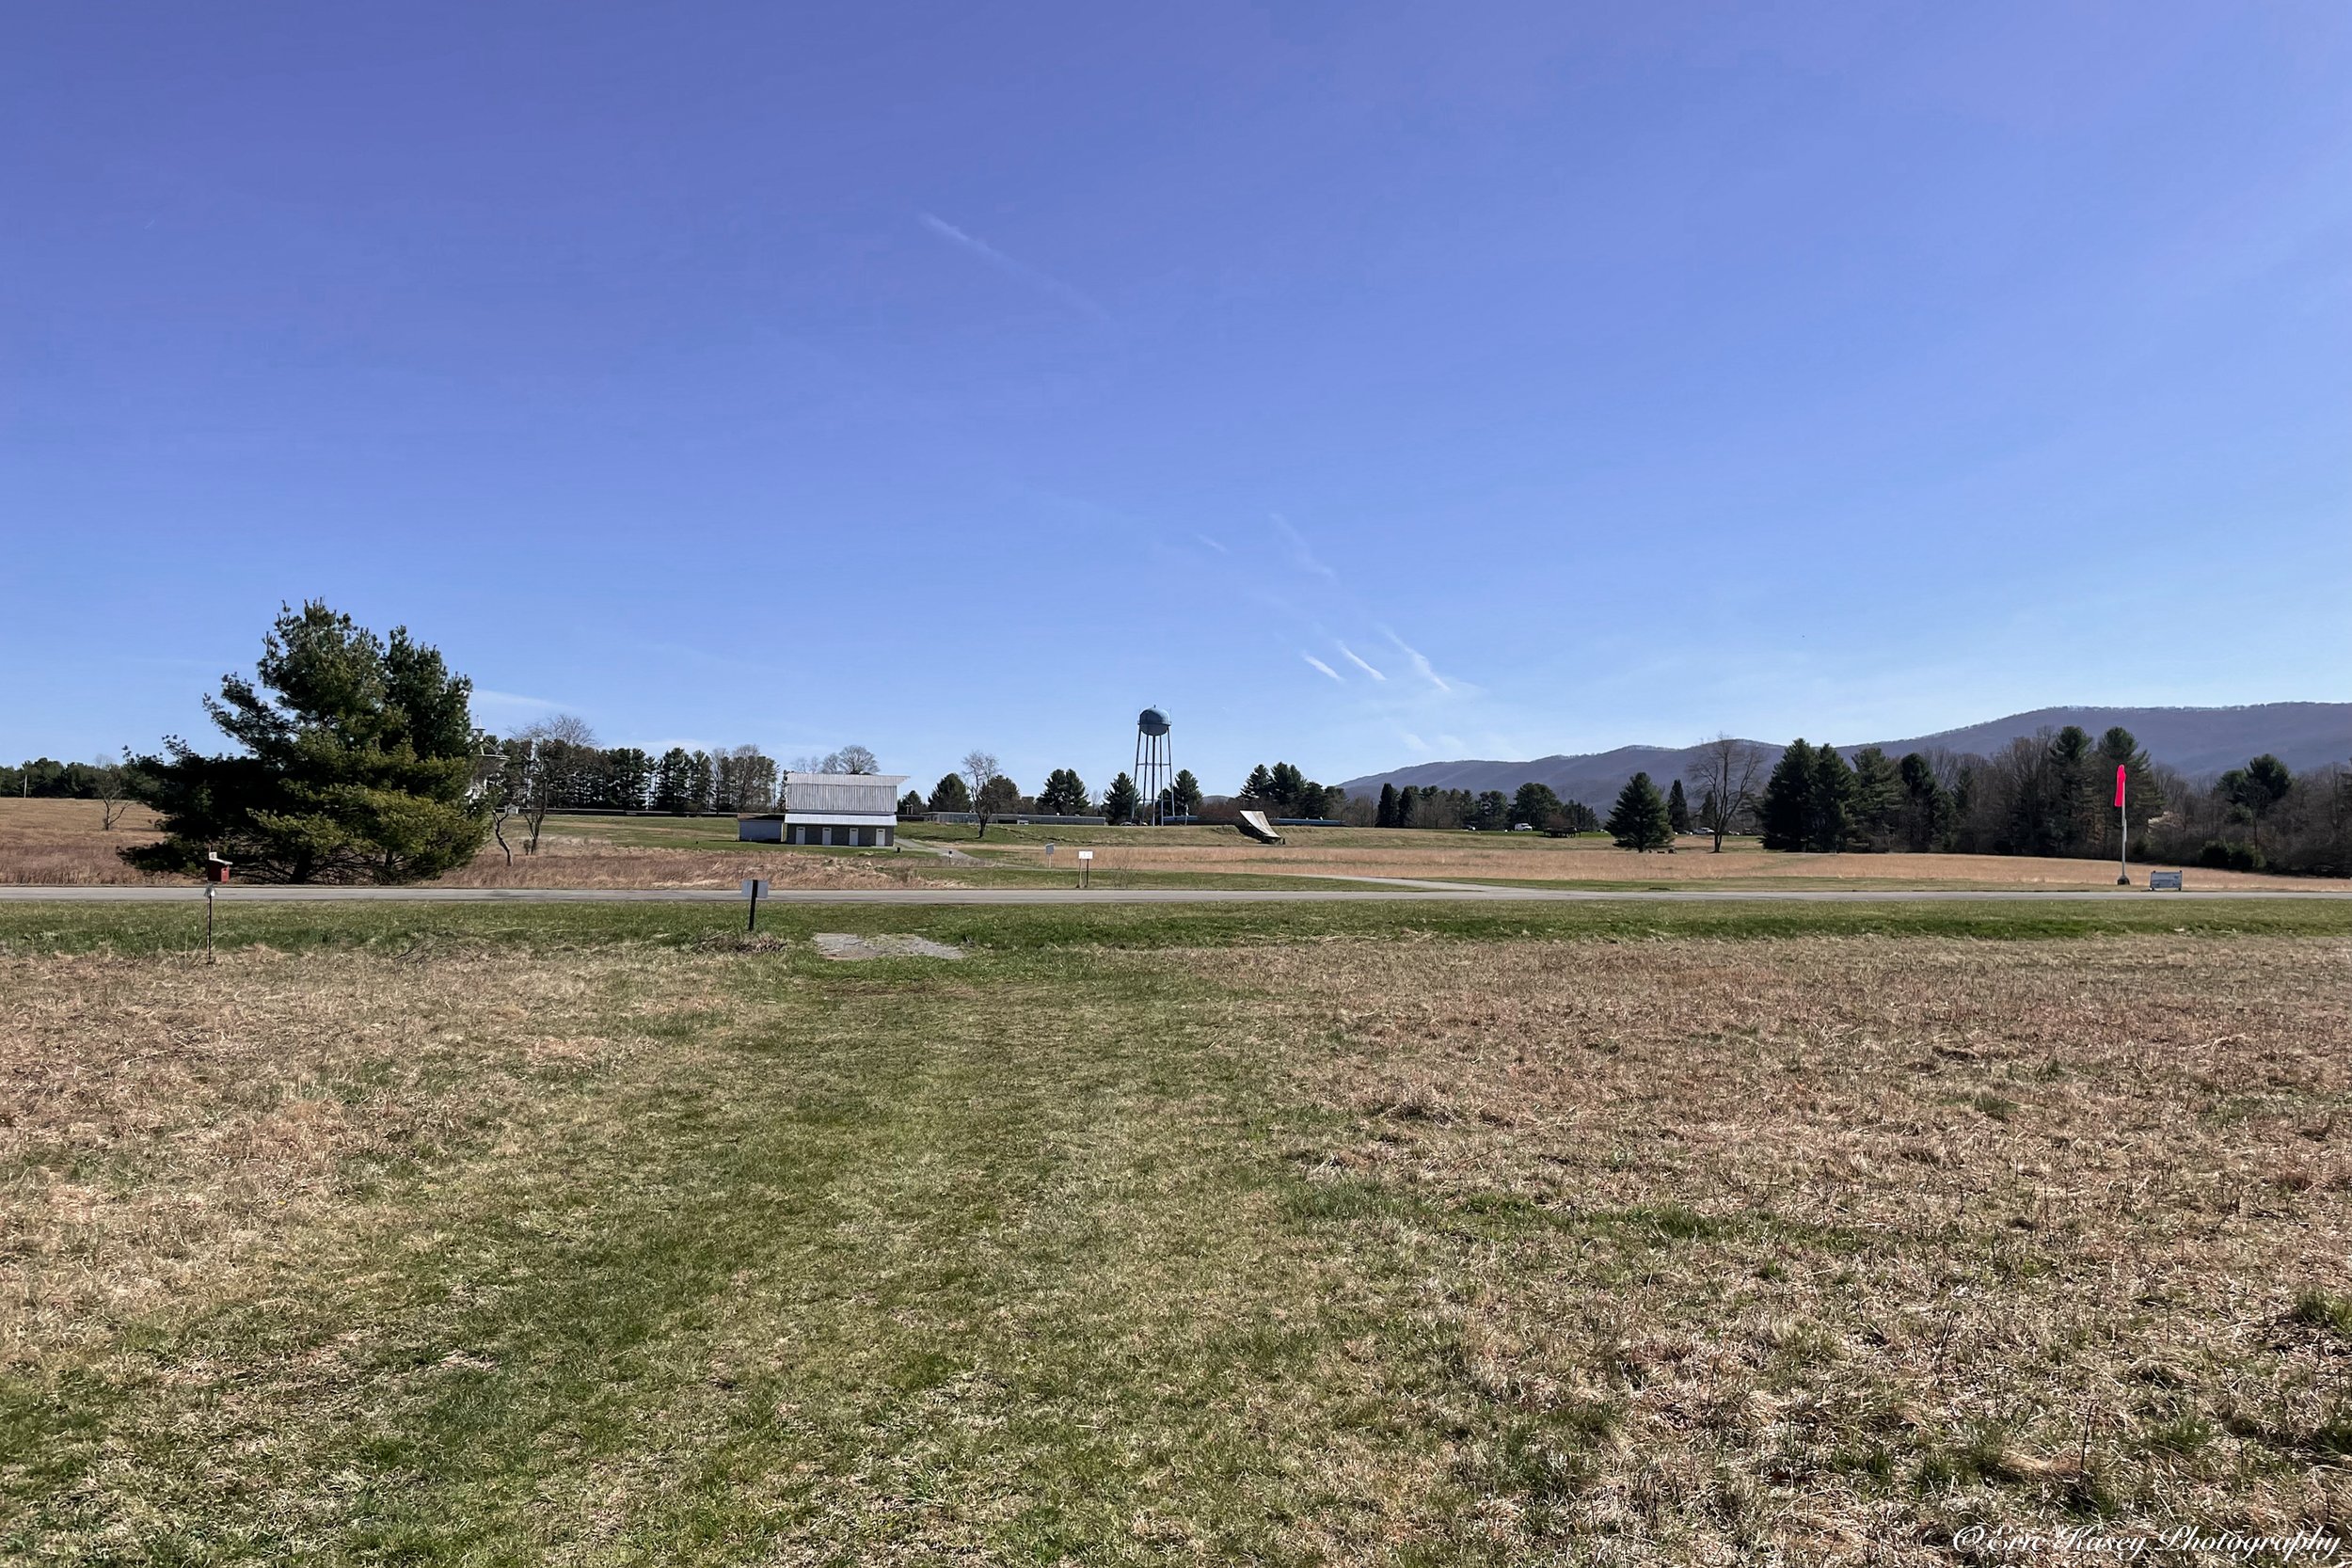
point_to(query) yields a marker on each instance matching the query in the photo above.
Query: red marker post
(2122, 833)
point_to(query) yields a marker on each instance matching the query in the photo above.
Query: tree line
(358, 761)
(47, 779)
(2049, 794)
(1284, 790)
(978, 788)
(1534, 806)
(112, 784)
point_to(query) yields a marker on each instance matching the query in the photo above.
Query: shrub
(2220, 856)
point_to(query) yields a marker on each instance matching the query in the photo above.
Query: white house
(831, 808)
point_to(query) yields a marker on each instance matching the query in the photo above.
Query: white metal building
(831, 808)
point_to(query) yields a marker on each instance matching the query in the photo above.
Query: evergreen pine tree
(1534, 804)
(911, 803)
(2073, 792)
(1639, 820)
(1386, 814)
(1122, 799)
(628, 778)
(1830, 824)
(1064, 795)
(1787, 809)
(1927, 814)
(951, 794)
(1258, 785)
(1185, 792)
(1678, 808)
(1289, 790)
(1878, 800)
(673, 777)
(355, 764)
(2254, 790)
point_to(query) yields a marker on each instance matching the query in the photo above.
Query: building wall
(841, 835)
(841, 831)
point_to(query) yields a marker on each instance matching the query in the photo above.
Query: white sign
(755, 887)
(1085, 854)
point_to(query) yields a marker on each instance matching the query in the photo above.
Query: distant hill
(2196, 740)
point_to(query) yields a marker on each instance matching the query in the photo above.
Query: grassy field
(1585, 860)
(65, 843)
(60, 842)
(51, 842)
(1643, 1233)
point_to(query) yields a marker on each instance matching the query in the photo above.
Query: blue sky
(1364, 384)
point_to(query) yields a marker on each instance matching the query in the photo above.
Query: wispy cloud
(1325, 668)
(1357, 660)
(1421, 664)
(1416, 742)
(1011, 268)
(514, 699)
(1213, 543)
(497, 707)
(1302, 555)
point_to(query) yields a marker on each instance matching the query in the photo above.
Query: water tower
(1152, 775)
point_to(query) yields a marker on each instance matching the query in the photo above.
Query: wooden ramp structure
(1254, 824)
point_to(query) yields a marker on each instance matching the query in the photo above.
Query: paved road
(1392, 890)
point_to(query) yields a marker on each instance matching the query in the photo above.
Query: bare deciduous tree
(111, 787)
(1729, 773)
(493, 787)
(557, 754)
(850, 759)
(981, 772)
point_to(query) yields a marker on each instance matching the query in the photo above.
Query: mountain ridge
(2196, 741)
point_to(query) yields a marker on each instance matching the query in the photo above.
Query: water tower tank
(1151, 768)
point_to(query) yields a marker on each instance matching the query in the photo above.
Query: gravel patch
(841, 945)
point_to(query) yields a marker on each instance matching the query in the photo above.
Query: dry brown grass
(1827, 1246)
(566, 861)
(1807, 1249)
(62, 844)
(164, 1120)
(1460, 855)
(54, 843)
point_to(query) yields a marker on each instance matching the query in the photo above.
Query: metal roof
(871, 794)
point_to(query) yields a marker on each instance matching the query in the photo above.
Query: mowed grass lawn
(1391, 1234)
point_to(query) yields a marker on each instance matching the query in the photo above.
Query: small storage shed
(859, 808)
